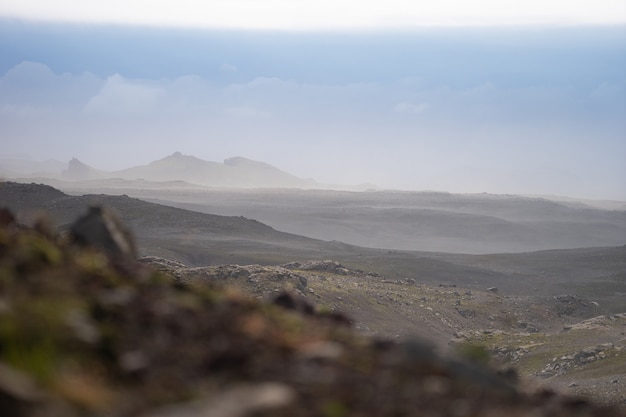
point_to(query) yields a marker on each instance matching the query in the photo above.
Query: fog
(499, 110)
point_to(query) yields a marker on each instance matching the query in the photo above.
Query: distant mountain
(235, 172)
(79, 171)
(15, 167)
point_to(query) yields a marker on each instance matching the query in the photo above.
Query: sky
(500, 97)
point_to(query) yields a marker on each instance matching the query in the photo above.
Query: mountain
(16, 167)
(235, 172)
(79, 171)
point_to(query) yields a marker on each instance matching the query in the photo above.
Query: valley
(526, 309)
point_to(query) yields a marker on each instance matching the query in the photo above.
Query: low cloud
(34, 85)
(127, 98)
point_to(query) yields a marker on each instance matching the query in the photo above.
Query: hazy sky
(503, 97)
(317, 14)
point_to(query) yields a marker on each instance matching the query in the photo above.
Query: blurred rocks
(100, 228)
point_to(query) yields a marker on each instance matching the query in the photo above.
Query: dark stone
(7, 219)
(101, 229)
(294, 302)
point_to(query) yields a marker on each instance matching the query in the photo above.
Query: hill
(199, 239)
(532, 297)
(399, 220)
(87, 333)
(559, 341)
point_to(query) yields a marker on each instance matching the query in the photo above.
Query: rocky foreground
(88, 333)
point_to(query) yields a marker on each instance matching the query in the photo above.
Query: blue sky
(530, 108)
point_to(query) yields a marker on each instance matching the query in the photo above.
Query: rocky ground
(542, 337)
(86, 333)
(493, 308)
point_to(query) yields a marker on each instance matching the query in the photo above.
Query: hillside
(199, 239)
(436, 296)
(557, 341)
(86, 333)
(418, 221)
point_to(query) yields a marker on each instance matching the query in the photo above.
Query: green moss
(28, 343)
(474, 352)
(39, 360)
(91, 261)
(38, 250)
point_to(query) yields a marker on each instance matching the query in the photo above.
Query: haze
(449, 98)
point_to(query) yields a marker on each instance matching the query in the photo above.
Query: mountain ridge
(234, 172)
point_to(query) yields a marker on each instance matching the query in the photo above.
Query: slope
(86, 333)
(198, 239)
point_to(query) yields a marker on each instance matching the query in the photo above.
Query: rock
(322, 266)
(17, 392)
(133, 361)
(468, 314)
(573, 305)
(321, 351)
(294, 302)
(102, 229)
(7, 219)
(161, 264)
(17, 385)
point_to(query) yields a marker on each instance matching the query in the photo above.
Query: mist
(499, 110)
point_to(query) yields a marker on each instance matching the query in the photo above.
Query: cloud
(358, 132)
(32, 84)
(119, 96)
(33, 88)
(319, 14)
